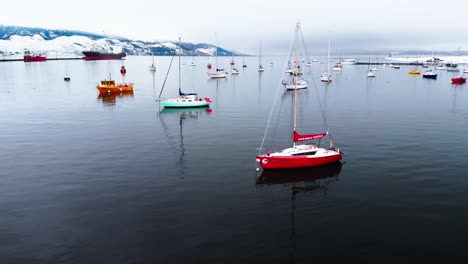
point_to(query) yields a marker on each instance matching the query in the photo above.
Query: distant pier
(393, 63)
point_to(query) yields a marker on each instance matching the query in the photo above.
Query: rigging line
(165, 79)
(277, 123)
(320, 104)
(280, 83)
(304, 45)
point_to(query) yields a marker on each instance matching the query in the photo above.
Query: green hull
(170, 104)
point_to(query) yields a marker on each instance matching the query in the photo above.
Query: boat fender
(268, 153)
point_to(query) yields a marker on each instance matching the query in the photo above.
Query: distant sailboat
(234, 71)
(243, 62)
(326, 76)
(260, 67)
(192, 63)
(297, 82)
(66, 77)
(370, 72)
(219, 73)
(152, 67)
(338, 66)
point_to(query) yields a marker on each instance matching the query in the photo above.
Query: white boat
(326, 76)
(219, 72)
(396, 66)
(299, 84)
(234, 71)
(430, 75)
(349, 62)
(217, 75)
(184, 99)
(465, 71)
(337, 67)
(370, 71)
(440, 68)
(294, 79)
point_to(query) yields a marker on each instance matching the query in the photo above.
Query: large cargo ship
(28, 57)
(96, 55)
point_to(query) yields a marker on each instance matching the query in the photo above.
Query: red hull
(34, 58)
(289, 162)
(110, 57)
(458, 80)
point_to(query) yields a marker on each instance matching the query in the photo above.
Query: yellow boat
(415, 72)
(109, 86)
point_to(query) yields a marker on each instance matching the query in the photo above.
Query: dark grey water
(90, 179)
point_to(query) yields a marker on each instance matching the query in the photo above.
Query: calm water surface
(113, 179)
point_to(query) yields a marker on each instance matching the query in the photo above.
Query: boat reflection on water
(314, 179)
(183, 115)
(110, 99)
(186, 112)
(313, 174)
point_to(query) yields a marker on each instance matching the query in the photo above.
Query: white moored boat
(300, 84)
(219, 72)
(326, 76)
(184, 100)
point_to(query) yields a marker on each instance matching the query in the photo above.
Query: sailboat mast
(260, 54)
(216, 58)
(180, 88)
(296, 73)
(328, 54)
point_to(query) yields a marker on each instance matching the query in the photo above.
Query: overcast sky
(241, 24)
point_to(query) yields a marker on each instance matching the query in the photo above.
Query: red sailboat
(303, 155)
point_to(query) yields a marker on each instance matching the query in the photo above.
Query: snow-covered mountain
(15, 40)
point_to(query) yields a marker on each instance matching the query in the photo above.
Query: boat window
(305, 153)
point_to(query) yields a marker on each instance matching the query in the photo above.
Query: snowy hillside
(15, 40)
